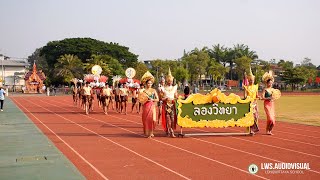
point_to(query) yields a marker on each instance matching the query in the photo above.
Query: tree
(307, 62)
(242, 65)
(97, 60)
(69, 67)
(196, 62)
(217, 71)
(239, 51)
(219, 54)
(259, 67)
(84, 48)
(181, 74)
(160, 67)
(291, 76)
(140, 68)
(285, 64)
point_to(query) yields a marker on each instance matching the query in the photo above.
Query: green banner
(215, 109)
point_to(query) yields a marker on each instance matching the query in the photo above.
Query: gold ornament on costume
(169, 76)
(250, 75)
(147, 76)
(267, 76)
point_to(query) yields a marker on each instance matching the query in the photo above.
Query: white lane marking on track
(76, 152)
(199, 155)
(182, 176)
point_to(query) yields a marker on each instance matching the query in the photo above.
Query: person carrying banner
(169, 116)
(251, 90)
(160, 94)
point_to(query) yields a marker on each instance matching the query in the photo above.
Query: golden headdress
(169, 76)
(146, 77)
(250, 75)
(267, 76)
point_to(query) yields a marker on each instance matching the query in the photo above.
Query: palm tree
(217, 71)
(239, 51)
(218, 53)
(69, 67)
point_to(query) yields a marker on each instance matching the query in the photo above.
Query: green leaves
(84, 48)
(69, 67)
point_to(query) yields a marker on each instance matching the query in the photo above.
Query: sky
(163, 29)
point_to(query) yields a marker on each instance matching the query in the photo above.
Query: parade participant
(117, 97)
(83, 97)
(148, 97)
(134, 100)
(75, 93)
(105, 98)
(140, 91)
(111, 98)
(269, 95)
(169, 118)
(87, 91)
(98, 93)
(160, 94)
(80, 93)
(124, 98)
(2, 93)
(91, 101)
(251, 90)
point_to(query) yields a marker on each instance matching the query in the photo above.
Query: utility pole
(2, 71)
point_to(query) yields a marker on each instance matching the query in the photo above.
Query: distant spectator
(186, 91)
(2, 93)
(196, 89)
(23, 89)
(43, 88)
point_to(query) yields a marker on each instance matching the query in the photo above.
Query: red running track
(112, 147)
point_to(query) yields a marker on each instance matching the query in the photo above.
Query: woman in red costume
(148, 98)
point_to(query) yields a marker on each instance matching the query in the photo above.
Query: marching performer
(169, 117)
(106, 95)
(124, 92)
(251, 90)
(269, 95)
(112, 98)
(117, 96)
(148, 98)
(87, 91)
(75, 93)
(134, 100)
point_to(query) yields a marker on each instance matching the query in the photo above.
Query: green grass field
(296, 109)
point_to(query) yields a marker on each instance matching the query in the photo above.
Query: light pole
(2, 72)
(157, 74)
